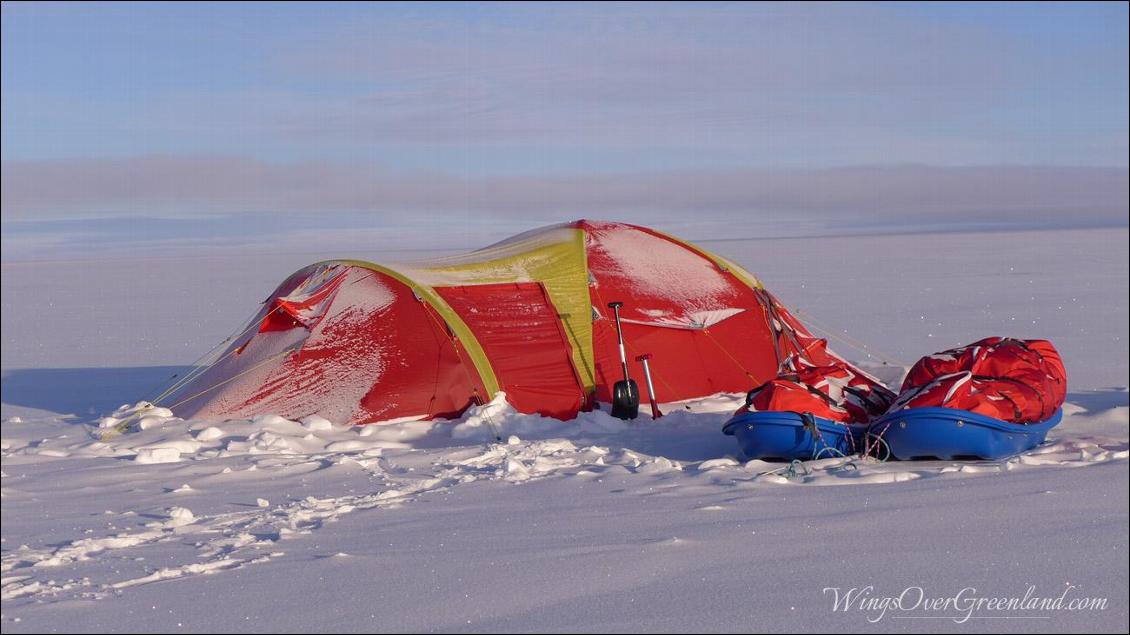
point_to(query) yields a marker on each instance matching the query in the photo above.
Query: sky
(178, 127)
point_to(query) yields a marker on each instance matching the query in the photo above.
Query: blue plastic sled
(785, 436)
(948, 433)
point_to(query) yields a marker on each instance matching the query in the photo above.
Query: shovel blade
(625, 399)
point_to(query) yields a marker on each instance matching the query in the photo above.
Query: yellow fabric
(743, 275)
(462, 331)
(554, 257)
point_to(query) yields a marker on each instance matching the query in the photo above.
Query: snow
(267, 524)
(658, 267)
(157, 455)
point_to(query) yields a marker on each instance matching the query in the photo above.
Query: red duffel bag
(788, 395)
(1022, 381)
(836, 391)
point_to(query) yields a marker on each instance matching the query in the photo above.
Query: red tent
(358, 342)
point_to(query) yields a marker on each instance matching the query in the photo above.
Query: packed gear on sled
(786, 436)
(961, 403)
(994, 398)
(819, 406)
(1013, 380)
(934, 432)
(835, 391)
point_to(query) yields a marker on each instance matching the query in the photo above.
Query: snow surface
(595, 524)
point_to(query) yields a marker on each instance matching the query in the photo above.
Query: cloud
(668, 75)
(815, 76)
(492, 86)
(172, 187)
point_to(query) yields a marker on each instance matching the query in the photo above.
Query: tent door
(520, 330)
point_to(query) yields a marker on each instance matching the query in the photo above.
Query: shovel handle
(615, 306)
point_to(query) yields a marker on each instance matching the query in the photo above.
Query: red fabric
(1022, 381)
(863, 397)
(423, 374)
(790, 395)
(688, 361)
(365, 358)
(288, 312)
(836, 391)
(376, 353)
(747, 348)
(521, 333)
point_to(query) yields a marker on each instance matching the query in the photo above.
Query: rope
(495, 429)
(195, 363)
(736, 361)
(251, 323)
(795, 468)
(820, 448)
(832, 452)
(197, 371)
(123, 425)
(292, 349)
(809, 422)
(772, 322)
(846, 339)
(779, 327)
(871, 449)
(200, 370)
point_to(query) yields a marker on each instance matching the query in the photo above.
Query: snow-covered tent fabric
(358, 342)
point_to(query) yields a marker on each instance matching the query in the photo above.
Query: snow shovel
(625, 393)
(655, 414)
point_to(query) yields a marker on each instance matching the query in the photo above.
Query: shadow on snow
(85, 393)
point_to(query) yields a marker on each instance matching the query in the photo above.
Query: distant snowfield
(593, 524)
